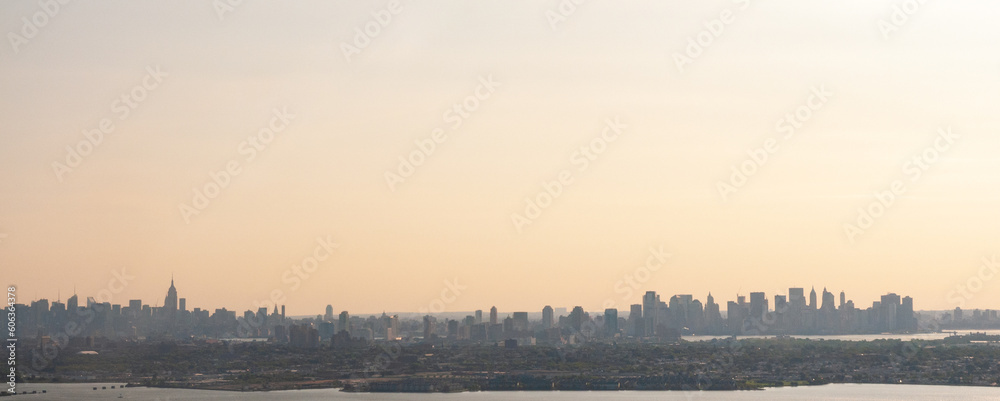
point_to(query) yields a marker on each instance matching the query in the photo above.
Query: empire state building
(170, 303)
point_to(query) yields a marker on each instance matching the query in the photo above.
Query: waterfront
(860, 337)
(830, 392)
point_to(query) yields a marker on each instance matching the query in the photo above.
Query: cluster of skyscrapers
(790, 314)
(652, 320)
(137, 320)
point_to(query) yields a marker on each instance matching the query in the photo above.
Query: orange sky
(584, 110)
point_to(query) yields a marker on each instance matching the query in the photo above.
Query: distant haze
(342, 122)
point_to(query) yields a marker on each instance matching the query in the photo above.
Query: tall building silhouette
(758, 305)
(797, 298)
(548, 318)
(650, 310)
(344, 322)
(493, 315)
(520, 321)
(610, 322)
(635, 325)
(72, 303)
(828, 301)
(812, 298)
(170, 302)
(429, 329)
(576, 318)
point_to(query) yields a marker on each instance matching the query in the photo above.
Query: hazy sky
(560, 75)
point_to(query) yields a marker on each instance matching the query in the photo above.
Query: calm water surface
(861, 337)
(870, 392)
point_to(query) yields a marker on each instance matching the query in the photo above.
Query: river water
(861, 337)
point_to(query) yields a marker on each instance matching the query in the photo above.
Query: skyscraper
(170, 302)
(650, 310)
(891, 304)
(72, 303)
(576, 318)
(679, 310)
(828, 301)
(329, 314)
(520, 321)
(758, 305)
(392, 327)
(812, 298)
(479, 316)
(713, 316)
(780, 303)
(635, 325)
(736, 313)
(906, 318)
(493, 315)
(548, 318)
(429, 329)
(610, 322)
(797, 298)
(344, 322)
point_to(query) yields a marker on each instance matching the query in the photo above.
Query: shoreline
(757, 387)
(341, 389)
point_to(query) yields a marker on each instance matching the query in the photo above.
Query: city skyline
(655, 319)
(816, 300)
(308, 198)
(959, 296)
